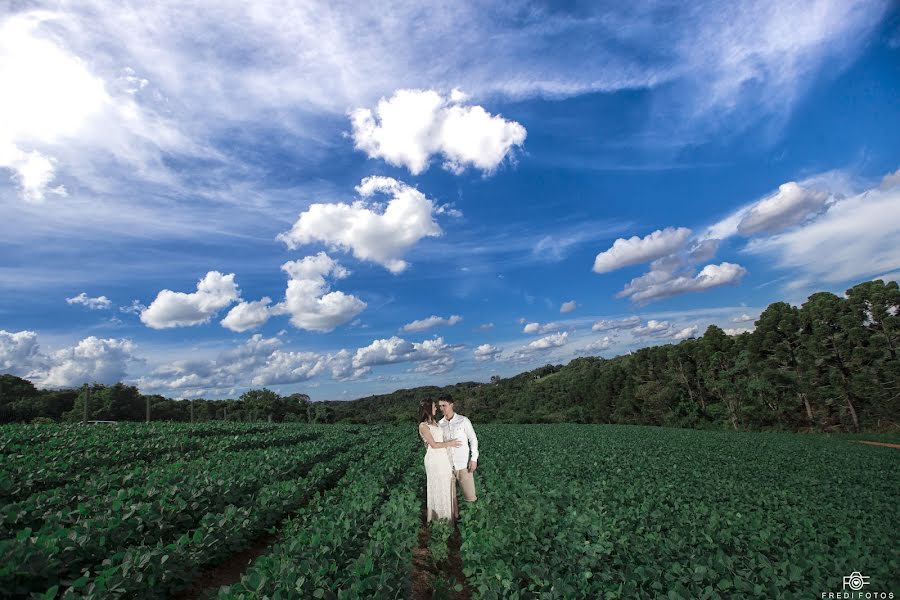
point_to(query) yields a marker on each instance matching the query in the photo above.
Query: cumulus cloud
(597, 345)
(538, 328)
(890, 180)
(742, 318)
(20, 352)
(382, 237)
(411, 126)
(308, 300)
(429, 322)
(737, 330)
(397, 350)
(92, 360)
(289, 367)
(486, 352)
(791, 205)
(485, 326)
(568, 307)
(663, 282)
(611, 325)
(546, 343)
(855, 238)
(636, 250)
(178, 309)
(685, 333)
(247, 315)
(98, 303)
(652, 328)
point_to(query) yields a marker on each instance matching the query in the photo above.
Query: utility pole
(87, 402)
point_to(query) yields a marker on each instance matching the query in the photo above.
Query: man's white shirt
(460, 428)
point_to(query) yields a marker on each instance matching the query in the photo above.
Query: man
(456, 426)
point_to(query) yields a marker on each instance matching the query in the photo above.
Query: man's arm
(473, 440)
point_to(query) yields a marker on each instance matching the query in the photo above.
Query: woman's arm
(429, 439)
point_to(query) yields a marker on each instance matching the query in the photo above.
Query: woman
(441, 483)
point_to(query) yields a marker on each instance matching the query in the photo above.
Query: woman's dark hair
(425, 410)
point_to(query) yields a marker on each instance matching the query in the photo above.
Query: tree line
(830, 364)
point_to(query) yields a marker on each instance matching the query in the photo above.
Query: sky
(344, 199)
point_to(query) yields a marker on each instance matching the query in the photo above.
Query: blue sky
(344, 201)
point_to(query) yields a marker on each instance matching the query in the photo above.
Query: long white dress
(440, 478)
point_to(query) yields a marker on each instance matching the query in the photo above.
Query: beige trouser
(467, 482)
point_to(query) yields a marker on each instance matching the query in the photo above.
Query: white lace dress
(440, 479)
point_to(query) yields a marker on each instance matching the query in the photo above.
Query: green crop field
(334, 511)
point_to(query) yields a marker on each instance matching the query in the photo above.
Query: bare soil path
(877, 443)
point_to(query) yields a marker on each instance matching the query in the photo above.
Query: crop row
(73, 539)
(619, 512)
(353, 542)
(149, 572)
(23, 475)
(84, 497)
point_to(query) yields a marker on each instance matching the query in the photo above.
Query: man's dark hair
(445, 398)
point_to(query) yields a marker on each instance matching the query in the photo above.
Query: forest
(830, 364)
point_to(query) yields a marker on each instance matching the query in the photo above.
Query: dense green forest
(828, 365)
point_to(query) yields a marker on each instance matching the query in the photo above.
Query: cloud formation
(663, 282)
(429, 322)
(791, 205)
(178, 309)
(98, 303)
(411, 126)
(435, 354)
(486, 352)
(380, 237)
(611, 325)
(568, 307)
(247, 315)
(636, 250)
(308, 300)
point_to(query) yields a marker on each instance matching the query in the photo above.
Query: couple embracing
(451, 457)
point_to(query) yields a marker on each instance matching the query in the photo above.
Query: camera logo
(855, 581)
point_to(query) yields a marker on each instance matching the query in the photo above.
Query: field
(333, 511)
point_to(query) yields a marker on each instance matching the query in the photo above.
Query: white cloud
(177, 309)
(737, 330)
(743, 318)
(611, 325)
(308, 300)
(486, 352)
(855, 239)
(485, 326)
(568, 307)
(545, 343)
(791, 205)
(429, 322)
(538, 328)
(636, 250)
(653, 328)
(20, 352)
(662, 282)
(91, 360)
(247, 315)
(410, 127)
(685, 333)
(597, 345)
(890, 180)
(98, 303)
(135, 308)
(289, 367)
(397, 350)
(380, 237)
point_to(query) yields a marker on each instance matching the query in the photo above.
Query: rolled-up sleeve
(473, 440)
